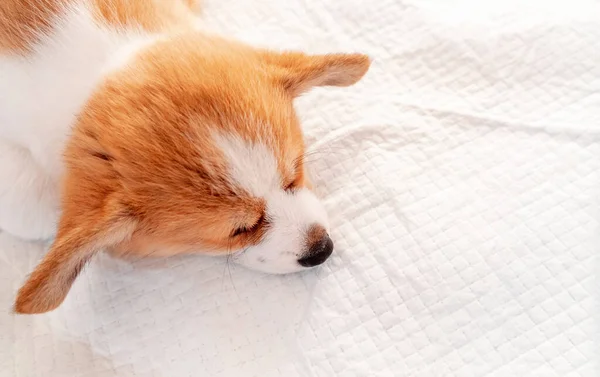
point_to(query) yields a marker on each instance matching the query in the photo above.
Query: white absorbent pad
(461, 178)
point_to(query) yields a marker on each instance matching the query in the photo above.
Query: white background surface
(461, 178)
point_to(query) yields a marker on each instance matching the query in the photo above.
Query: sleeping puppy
(124, 128)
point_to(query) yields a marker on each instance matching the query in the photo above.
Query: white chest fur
(42, 93)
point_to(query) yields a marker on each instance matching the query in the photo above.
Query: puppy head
(193, 146)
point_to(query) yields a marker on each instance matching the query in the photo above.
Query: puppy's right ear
(80, 236)
(298, 72)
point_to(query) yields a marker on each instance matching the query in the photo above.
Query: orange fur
(22, 21)
(154, 15)
(142, 174)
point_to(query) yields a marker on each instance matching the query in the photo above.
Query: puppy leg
(29, 200)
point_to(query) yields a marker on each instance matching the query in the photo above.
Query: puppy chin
(254, 261)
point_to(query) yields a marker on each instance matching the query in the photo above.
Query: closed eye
(291, 186)
(297, 179)
(249, 229)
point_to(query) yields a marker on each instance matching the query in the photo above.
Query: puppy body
(126, 129)
(46, 78)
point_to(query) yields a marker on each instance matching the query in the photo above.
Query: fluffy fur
(127, 130)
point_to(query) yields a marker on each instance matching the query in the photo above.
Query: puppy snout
(320, 247)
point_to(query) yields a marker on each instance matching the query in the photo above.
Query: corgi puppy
(125, 128)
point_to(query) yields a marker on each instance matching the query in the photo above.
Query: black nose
(317, 253)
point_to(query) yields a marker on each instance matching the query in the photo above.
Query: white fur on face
(290, 216)
(253, 167)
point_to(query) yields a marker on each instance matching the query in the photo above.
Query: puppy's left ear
(81, 234)
(298, 72)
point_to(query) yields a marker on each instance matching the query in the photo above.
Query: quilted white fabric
(461, 178)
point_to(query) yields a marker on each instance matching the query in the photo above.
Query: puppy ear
(80, 236)
(298, 72)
